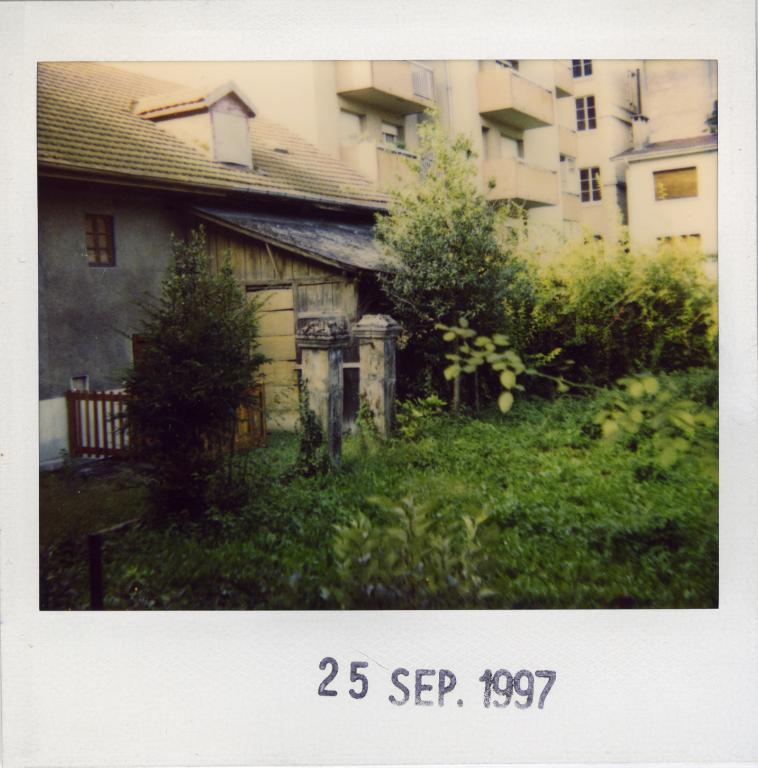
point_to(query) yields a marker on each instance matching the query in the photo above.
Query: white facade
(653, 218)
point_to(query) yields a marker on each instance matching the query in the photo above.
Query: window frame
(664, 195)
(95, 252)
(590, 186)
(398, 136)
(581, 68)
(586, 113)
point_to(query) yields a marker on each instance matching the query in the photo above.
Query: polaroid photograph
(395, 402)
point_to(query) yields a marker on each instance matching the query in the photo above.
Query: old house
(125, 161)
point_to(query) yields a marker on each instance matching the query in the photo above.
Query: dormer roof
(179, 102)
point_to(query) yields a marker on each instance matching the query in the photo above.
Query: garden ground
(579, 522)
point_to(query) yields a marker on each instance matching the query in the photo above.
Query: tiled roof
(86, 124)
(701, 143)
(347, 245)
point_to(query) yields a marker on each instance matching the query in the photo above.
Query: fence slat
(96, 426)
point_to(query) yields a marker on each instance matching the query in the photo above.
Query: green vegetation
(444, 237)
(596, 312)
(530, 510)
(196, 366)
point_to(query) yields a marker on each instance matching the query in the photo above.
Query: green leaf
(651, 384)
(636, 389)
(508, 379)
(610, 428)
(505, 402)
(448, 336)
(451, 372)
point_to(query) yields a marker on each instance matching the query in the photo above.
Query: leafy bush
(611, 312)
(414, 416)
(675, 427)
(412, 556)
(196, 367)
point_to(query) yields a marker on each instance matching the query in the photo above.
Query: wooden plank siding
(288, 286)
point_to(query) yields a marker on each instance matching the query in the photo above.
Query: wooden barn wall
(288, 286)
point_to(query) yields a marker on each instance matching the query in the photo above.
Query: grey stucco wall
(87, 313)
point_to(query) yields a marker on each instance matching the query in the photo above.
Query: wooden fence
(97, 426)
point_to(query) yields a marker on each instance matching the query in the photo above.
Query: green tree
(448, 260)
(197, 364)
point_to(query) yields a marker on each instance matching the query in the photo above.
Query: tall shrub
(448, 260)
(611, 311)
(196, 368)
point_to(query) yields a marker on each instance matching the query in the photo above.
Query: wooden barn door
(277, 342)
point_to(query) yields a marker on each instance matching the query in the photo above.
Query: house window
(80, 383)
(581, 67)
(680, 182)
(392, 134)
(351, 127)
(585, 113)
(98, 234)
(589, 184)
(511, 147)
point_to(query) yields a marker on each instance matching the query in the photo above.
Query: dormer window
(217, 123)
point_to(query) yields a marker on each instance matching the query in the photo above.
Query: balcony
(508, 98)
(520, 182)
(385, 165)
(567, 142)
(563, 78)
(402, 87)
(570, 206)
(393, 167)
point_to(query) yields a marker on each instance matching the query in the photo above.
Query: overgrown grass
(584, 523)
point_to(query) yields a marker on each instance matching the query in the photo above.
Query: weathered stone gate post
(377, 336)
(321, 339)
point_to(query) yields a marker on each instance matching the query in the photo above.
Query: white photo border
(194, 688)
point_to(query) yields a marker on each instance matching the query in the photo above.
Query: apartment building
(548, 134)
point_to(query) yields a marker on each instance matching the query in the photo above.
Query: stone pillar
(321, 339)
(377, 336)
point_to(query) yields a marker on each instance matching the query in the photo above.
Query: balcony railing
(384, 164)
(402, 87)
(508, 98)
(570, 206)
(510, 178)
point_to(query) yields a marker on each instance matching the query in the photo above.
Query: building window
(585, 113)
(589, 185)
(80, 383)
(680, 182)
(98, 234)
(393, 134)
(510, 147)
(351, 127)
(581, 67)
